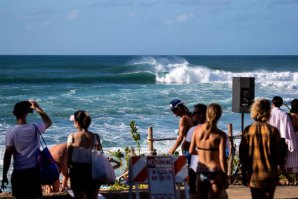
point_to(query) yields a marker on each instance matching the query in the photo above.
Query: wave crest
(179, 71)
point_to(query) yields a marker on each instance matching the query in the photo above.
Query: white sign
(161, 177)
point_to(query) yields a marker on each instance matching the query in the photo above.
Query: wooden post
(231, 151)
(150, 141)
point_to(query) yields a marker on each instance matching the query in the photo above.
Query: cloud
(180, 19)
(183, 18)
(72, 15)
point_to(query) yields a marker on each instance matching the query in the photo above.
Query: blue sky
(149, 27)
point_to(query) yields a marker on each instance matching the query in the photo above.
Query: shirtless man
(185, 123)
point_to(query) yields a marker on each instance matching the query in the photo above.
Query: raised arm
(46, 119)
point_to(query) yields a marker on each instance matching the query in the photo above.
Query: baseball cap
(175, 103)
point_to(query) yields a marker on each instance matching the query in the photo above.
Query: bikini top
(213, 149)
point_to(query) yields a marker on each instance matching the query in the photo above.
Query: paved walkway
(282, 192)
(234, 192)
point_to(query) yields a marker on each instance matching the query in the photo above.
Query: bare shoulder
(198, 129)
(184, 118)
(74, 138)
(221, 134)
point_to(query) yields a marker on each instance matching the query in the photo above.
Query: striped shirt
(260, 155)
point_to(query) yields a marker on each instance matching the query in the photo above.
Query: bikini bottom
(206, 175)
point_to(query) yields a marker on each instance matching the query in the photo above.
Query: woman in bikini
(210, 144)
(79, 147)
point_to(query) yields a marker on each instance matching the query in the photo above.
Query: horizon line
(145, 55)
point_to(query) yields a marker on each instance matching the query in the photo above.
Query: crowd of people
(268, 148)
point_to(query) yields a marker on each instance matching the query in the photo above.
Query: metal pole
(231, 154)
(242, 122)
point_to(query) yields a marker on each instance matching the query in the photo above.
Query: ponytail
(213, 114)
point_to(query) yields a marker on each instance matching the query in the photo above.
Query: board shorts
(26, 183)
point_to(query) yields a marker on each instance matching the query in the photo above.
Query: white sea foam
(179, 71)
(70, 92)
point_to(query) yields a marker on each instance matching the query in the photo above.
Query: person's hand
(34, 104)
(4, 182)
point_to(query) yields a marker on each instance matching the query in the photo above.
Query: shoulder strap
(97, 142)
(37, 131)
(72, 136)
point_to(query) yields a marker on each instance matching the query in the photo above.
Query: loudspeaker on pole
(243, 94)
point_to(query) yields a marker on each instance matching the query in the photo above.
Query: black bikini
(213, 149)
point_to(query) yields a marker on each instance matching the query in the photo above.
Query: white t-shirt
(282, 121)
(26, 141)
(194, 158)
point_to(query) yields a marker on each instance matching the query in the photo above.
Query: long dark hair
(83, 118)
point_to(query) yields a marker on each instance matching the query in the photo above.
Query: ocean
(115, 90)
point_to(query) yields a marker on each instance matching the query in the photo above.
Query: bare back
(83, 139)
(59, 153)
(210, 147)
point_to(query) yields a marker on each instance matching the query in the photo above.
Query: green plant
(135, 135)
(127, 152)
(118, 155)
(118, 186)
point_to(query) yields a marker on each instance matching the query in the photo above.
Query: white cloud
(184, 17)
(179, 19)
(73, 14)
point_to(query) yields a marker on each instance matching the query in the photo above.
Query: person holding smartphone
(22, 142)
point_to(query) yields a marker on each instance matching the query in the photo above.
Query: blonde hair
(213, 114)
(260, 110)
